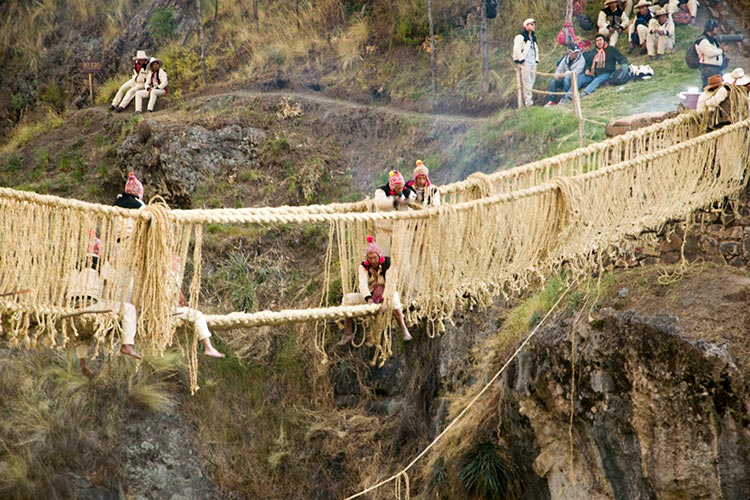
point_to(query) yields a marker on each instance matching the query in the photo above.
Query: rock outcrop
(654, 413)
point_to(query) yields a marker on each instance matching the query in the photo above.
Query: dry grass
(351, 43)
(25, 132)
(54, 422)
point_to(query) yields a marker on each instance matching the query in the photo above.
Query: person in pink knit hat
(424, 192)
(132, 194)
(371, 275)
(391, 197)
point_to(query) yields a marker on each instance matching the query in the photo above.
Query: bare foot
(129, 350)
(87, 372)
(348, 337)
(407, 336)
(211, 352)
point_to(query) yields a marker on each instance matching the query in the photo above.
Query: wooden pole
(91, 87)
(484, 48)
(519, 87)
(577, 109)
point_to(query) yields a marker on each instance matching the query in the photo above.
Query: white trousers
(197, 318)
(129, 318)
(528, 77)
(152, 95)
(659, 44)
(613, 37)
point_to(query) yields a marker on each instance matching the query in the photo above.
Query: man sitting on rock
(157, 85)
(371, 275)
(126, 93)
(612, 21)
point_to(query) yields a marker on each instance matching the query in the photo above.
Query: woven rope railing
(461, 254)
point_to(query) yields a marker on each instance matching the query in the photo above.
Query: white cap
(528, 21)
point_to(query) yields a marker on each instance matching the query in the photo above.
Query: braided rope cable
(239, 319)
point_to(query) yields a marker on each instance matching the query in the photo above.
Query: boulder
(639, 120)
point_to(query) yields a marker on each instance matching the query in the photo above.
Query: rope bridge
(492, 236)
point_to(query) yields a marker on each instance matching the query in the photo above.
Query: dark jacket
(613, 57)
(125, 200)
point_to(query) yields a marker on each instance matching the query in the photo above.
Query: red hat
(421, 169)
(395, 179)
(372, 247)
(133, 186)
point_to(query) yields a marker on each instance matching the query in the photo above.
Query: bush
(161, 25)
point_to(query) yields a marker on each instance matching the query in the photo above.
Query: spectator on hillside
(711, 54)
(660, 37)
(390, 197)
(85, 288)
(686, 10)
(157, 85)
(424, 192)
(604, 62)
(638, 29)
(612, 21)
(371, 274)
(526, 54)
(128, 89)
(573, 63)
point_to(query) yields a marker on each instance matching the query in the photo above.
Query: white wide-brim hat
(155, 60)
(736, 77)
(528, 20)
(141, 54)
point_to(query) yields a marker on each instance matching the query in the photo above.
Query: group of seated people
(650, 31)
(86, 287)
(395, 195)
(149, 80)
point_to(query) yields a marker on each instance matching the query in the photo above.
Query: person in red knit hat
(391, 197)
(424, 192)
(372, 275)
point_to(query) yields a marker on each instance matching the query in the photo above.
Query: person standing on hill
(526, 54)
(157, 85)
(128, 89)
(612, 21)
(712, 56)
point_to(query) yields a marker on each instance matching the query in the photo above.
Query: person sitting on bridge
(85, 286)
(424, 192)
(606, 58)
(390, 197)
(194, 316)
(660, 37)
(714, 101)
(157, 85)
(126, 93)
(371, 275)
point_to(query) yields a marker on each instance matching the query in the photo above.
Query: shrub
(486, 472)
(162, 25)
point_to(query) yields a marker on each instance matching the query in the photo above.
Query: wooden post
(577, 109)
(91, 87)
(90, 67)
(484, 46)
(519, 86)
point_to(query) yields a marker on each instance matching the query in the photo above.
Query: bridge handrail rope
(501, 235)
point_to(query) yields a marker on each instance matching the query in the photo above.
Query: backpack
(620, 76)
(692, 59)
(491, 9)
(566, 37)
(585, 22)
